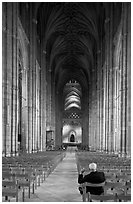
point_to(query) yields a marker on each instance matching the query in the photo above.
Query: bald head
(93, 166)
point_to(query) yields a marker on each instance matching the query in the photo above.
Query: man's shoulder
(100, 172)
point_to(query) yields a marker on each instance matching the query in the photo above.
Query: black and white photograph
(66, 101)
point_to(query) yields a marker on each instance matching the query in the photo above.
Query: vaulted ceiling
(72, 94)
(69, 33)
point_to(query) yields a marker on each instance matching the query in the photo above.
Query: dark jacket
(95, 178)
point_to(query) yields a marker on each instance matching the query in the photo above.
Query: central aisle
(61, 185)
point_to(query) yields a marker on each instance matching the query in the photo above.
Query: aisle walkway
(61, 185)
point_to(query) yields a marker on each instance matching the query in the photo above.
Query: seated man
(93, 177)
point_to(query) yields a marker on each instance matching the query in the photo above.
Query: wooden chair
(114, 187)
(127, 172)
(113, 171)
(33, 176)
(85, 196)
(6, 168)
(39, 172)
(8, 175)
(102, 198)
(123, 177)
(10, 189)
(110, 177)
(127, 187)
(125, 198)
(25, 181)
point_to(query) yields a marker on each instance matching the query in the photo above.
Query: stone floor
(61, 185)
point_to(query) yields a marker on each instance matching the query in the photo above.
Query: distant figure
(94, 177)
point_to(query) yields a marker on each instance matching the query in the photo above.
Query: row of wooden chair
(117, 173)
(17, 177)
(118, 191)
(109, 198)
(104, 163)
(105, 159)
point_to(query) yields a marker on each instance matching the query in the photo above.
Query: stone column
(37, 105)
(30, 87)
(99, 101)
(43, 96)
(93, 112)
(49, 92)
(85, 119)
(58, 114)
(104, 108)
(106, 99)
(117, 87)
(22, 47)
(101, 107)
(119, 100)
(14, 131)
(91, 115)
(97, 104)
(124, 80)
(34, 109)
(4, 79)
(111, 84)
(34, 80)
(33, 51)
(115, 107)
(128, 107)
(53, 122)
(7, 78)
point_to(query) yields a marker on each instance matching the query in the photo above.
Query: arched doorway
(72, 138)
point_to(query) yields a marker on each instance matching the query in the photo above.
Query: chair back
(102, 198)
(85, 196)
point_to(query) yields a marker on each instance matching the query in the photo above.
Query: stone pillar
(22, 47)
(37, 105)
(34, 109)
(14, 79)
(90, 113)
(115, 107)
(4, 79)
(124, 80)
(9, 71)
(101, 106)
(104, 108)
(117, 87)
(106, 99)
(53, 121)
(111, 84)
(99, 101)
(30, 87)
(128, 107)
(97, 104)
(12, 64)
(93, 133)
(85, 119)
(10, 77)
(119, 99)
(58, 113)
(49, 93)
(43, 96)
(34, 83)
